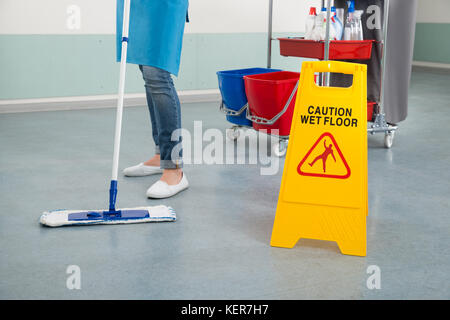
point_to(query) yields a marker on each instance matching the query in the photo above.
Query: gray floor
(219, 247)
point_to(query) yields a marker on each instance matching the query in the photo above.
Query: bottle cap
(312, 11)
(351, 7)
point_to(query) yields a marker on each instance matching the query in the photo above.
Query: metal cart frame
(233, 133)
(379, 123)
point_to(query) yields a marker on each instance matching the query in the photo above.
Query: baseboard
(431, 66)
(98, 102)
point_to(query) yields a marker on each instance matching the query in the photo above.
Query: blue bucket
(232, 88)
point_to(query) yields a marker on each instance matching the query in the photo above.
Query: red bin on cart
(271, 100)
(370, 109)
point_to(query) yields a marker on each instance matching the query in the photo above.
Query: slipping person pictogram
(338, 170)
(324, 156)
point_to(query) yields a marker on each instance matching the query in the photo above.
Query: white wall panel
(98, 16)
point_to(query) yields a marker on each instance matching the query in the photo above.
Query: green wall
(41, 66)
(432, 42)
(38, 66)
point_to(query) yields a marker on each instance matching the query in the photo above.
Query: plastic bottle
(358, 31)
(318, 27)
(323, 12)
(349, 24)
(336, 24)
(310, 23)
(332, 34)
(340, 15)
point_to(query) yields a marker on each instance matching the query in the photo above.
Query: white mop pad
(60, 218)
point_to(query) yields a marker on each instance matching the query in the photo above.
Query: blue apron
(156, 32)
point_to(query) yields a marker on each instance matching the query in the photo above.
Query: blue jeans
(165, 115)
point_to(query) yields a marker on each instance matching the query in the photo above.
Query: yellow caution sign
(323, 192)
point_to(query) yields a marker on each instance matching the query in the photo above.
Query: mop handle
(123, 67)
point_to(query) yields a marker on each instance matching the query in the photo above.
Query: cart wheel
(389, 139)
(233, 133)
(280, 148)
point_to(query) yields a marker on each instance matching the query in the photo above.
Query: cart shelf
(339, 49)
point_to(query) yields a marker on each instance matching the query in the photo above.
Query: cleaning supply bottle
(349, 24)
(332, 34)
(336, 24)
(310, 23)
(323, 15)
(358, 31)
(340, 15)
(318, 27)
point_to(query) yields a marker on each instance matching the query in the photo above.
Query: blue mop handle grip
(112, 195)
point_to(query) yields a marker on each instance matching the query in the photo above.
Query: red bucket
(370, 107)
(267, 96)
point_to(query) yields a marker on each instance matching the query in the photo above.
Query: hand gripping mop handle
(123, 67)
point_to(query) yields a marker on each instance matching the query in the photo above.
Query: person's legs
(314, 161)
(165, 113)
(154, 161)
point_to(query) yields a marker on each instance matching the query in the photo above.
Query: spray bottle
(349, 24)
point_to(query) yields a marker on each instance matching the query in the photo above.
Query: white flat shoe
(161, 189)
(141, 170)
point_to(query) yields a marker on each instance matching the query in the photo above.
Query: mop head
(60, 218)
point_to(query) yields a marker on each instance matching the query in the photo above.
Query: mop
(160, 213)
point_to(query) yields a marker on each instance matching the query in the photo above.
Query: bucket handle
(230, 112)
(261, 120)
